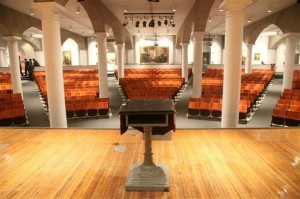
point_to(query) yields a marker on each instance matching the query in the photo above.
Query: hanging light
(78, 10)
(137, 24)
(159, 23)
(144, 24)
(152, 23)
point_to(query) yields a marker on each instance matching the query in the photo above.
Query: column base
(148, 178)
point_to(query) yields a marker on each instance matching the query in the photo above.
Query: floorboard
(211, 163)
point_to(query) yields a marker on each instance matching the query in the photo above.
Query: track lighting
(150, 19)
(166, 22)
(137, 24)
(152, 23)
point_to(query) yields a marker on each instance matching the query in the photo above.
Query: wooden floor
(70, 163)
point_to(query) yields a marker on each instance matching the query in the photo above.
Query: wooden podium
(149, 117)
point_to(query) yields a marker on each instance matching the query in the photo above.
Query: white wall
(39, 56)
(280, 55)
(92, 51)
(216, 51)
(28, 51)
(71, 45)
(83, 57)
(262, 47)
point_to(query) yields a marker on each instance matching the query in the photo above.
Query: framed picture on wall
(154, 55)
(256, 56)
(67, 58)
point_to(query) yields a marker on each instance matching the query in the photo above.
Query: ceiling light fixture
(209, 19)
(174, 8)
(31, 12)
(78, 10)
(159, 18)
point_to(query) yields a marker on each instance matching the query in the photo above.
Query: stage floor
(214, 163)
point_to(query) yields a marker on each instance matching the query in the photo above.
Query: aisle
(34, 108)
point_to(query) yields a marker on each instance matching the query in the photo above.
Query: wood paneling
(73, 163)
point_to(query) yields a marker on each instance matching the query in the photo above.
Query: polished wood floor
(73, 163)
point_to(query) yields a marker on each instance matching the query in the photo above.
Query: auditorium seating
(287, 109)
(253, 87)
(81, 93)
(12, 110)
(296, 79)
(157, 83)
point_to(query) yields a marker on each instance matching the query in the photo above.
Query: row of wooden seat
(212, 108)
(296, 79)
(151, 88)
(287, 109)
(153, 73)
(98, 107)
(253, 86)
(285, 117)
(12, 110)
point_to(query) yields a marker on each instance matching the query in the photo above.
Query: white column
(289, 61)
(12, 43)
(2, 62)
(198, 60)
(248, 58)
(185, 61)
(5, 57)
(102, 64)
(53, 62)
(120, 59)
(232, 64)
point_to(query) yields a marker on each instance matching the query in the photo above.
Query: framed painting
(256, 56)
(154, 55)
(67, 58)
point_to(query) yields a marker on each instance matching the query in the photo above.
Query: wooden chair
(80, 109)
(292, 118)
(193, 108)
(216, 110)
(278, 117)
(70, 111)
(243, 112)
(5, 118)
(205, 109)
(18, 117)
(92, 109)
(102, 108)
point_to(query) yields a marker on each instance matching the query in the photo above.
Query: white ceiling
(81, 24)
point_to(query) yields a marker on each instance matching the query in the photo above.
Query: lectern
(156, 117)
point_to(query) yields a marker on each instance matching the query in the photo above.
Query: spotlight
(152, 23)
(137, 24)
(144, 24)
(166, 22)
(159, 23)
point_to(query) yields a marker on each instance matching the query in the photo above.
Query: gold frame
(66, 58)
(154, 55)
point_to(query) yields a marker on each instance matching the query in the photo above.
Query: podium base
(148, 178)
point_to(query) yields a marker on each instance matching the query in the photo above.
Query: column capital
(48, 8)
(12, 38)
(184, 44)
(292, 35)
(120, 44)
(198, 35)
(100, 34)
(234, 5)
